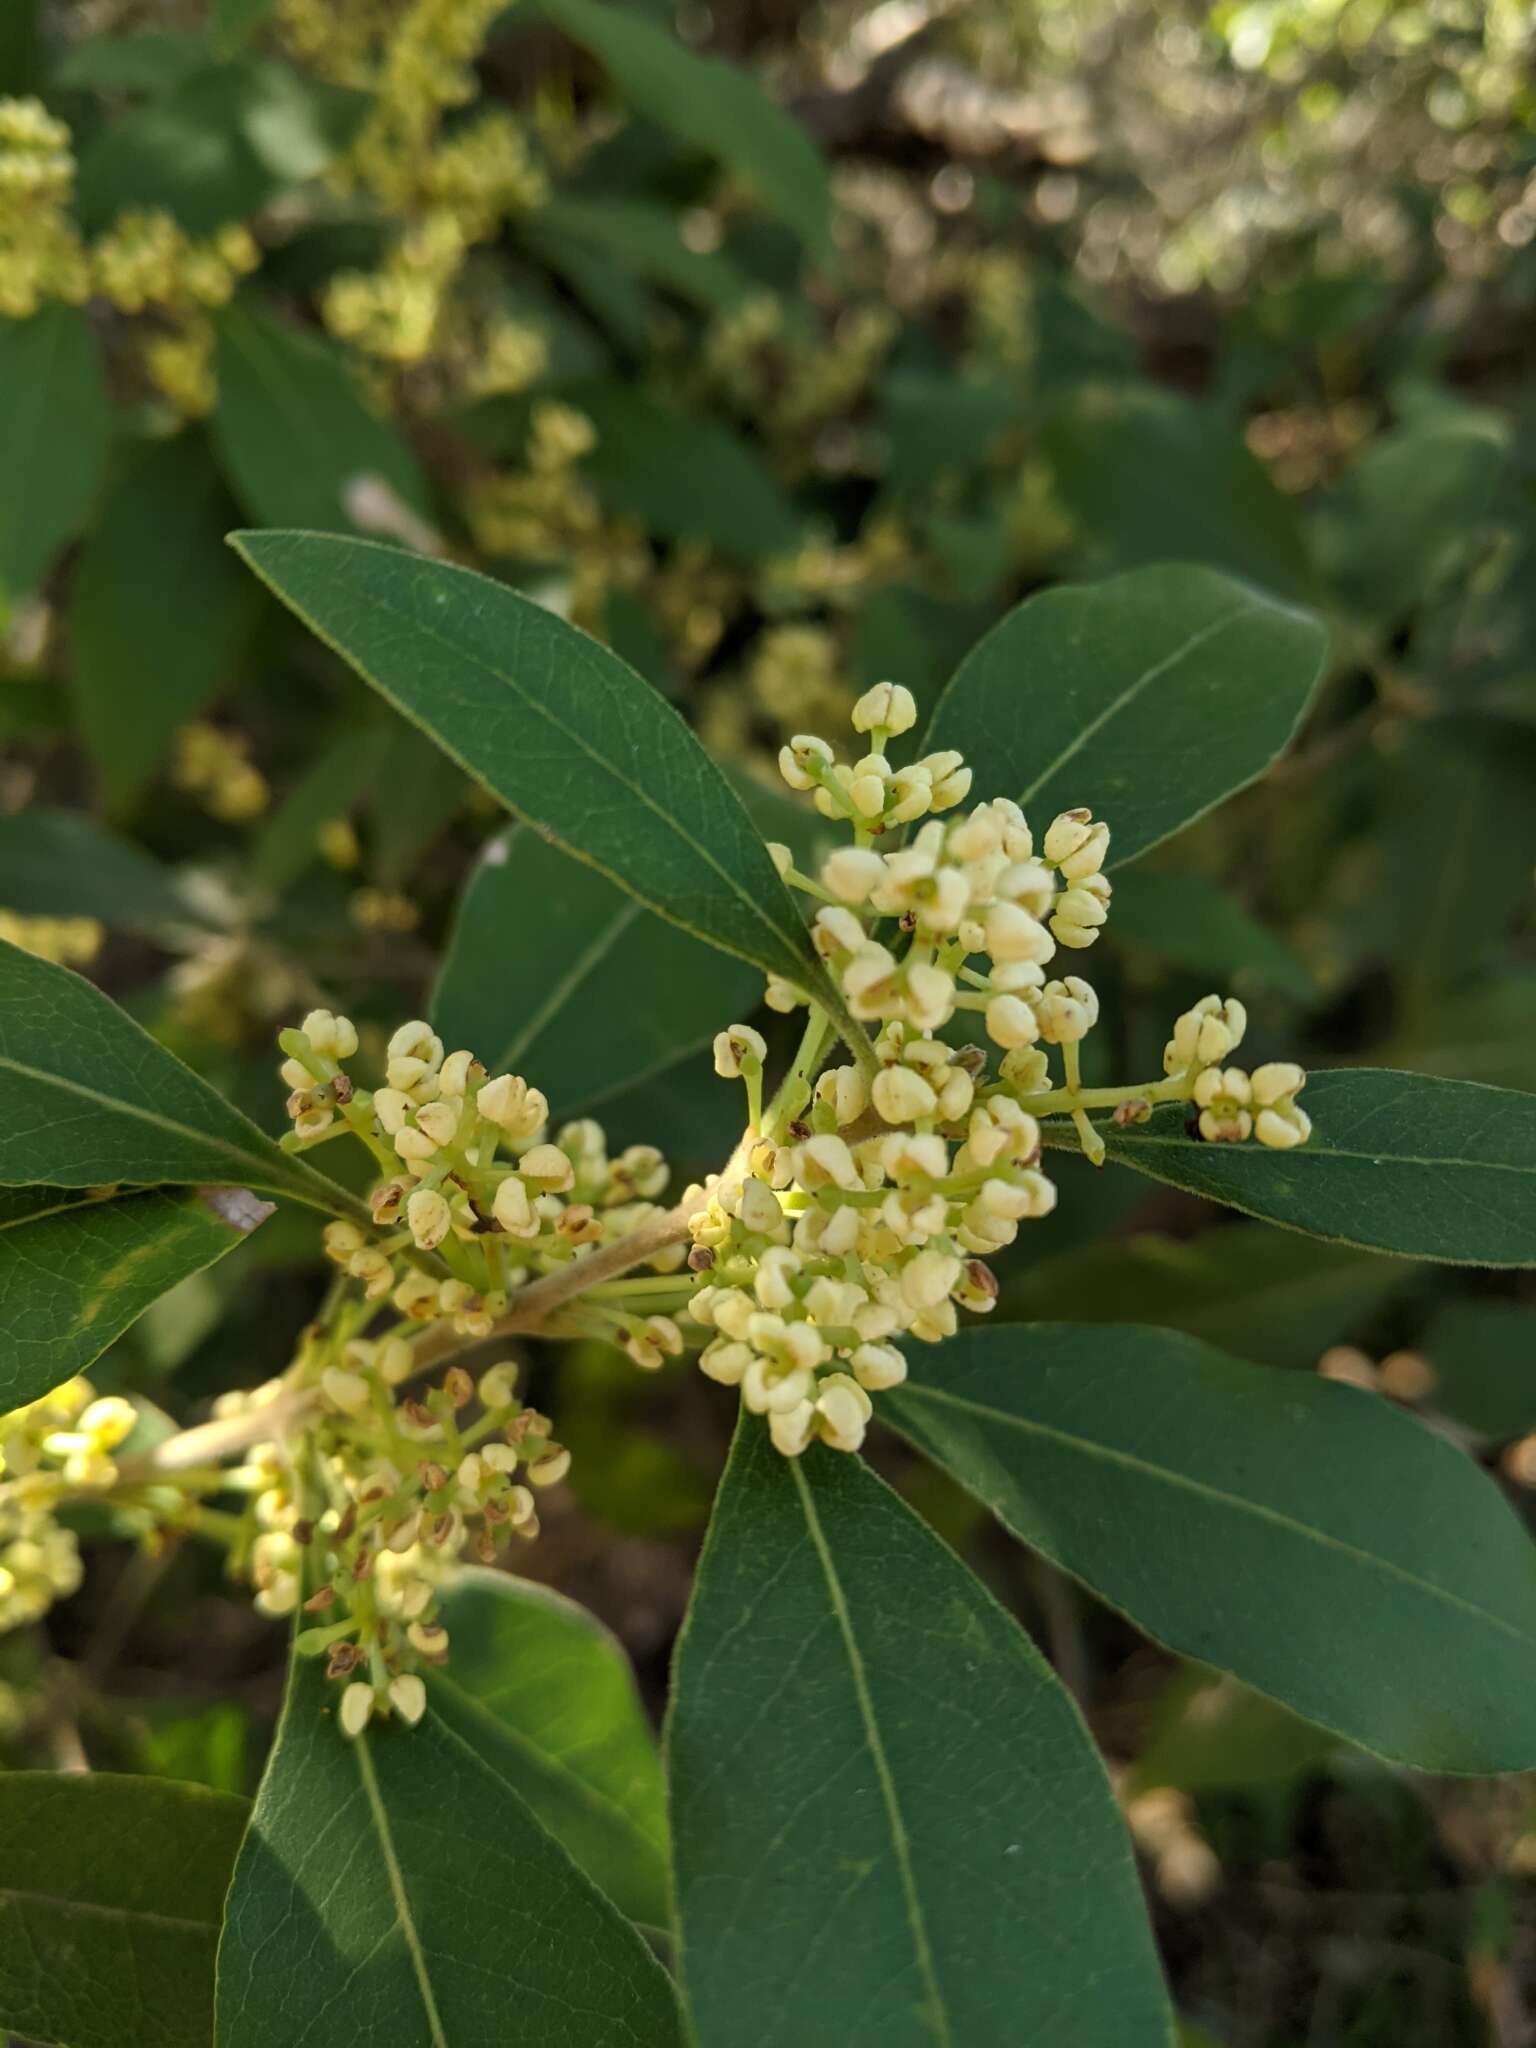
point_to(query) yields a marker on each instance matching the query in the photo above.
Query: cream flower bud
(866, 792)
(551, 1468)
(108, 1422)
(333, 1037)
(888, 705)
(759, 1209)
(1065, 834)
(734, 1309)
(724, 1361)
(843, 1090)
(735, 1046)
(825, 1161)
(294, 1074)
(795, 760)
(774, 1281)
(513, 1106)
(440, 1121)
(415, 1146)
(1281, 1128)
(1221, 1031)
(902, 1097)
(549, 1166)
(498, 1385)
(790, 1429)
(930, 995)
(457, 1073)
(1011, 933)
(1077, 917)
(1222, 1095)
(408, 1697)
(391, 1108)
(782, 857)
(867, 976)
(347, 1391)
(513, 1210)
(851, 872)
(878, 1366)
(1068, 1010)
(1087, 858)
(909, 795)
(925, 1280)
(428, 1217)
(356, 1707)
(1029, 885)
(418, 1041)
(1011, 1021)
(843, 1410)
(416, 1077)
(1276, 1081)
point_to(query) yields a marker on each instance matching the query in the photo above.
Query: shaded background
(1059, 289)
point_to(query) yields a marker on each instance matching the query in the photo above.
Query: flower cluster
(872, 1201)
(55, 1447)
(71, 941)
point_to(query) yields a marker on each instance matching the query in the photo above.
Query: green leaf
(416, 791)
(888, 1821)
(397, 1888)
(88, 1099)
(1152, 477)
(293, 431)
(682, 477)
(1186, 920)
(939, 424)
(76, 1272)
(143, 666)
(1475, 1032)
(232, 23)
(719, 108)
(1484, 1358)
(557, 727)
(1149, 697)
(287, 843)
(148, 62)
(57, 863)
(1403, 1163)
(55, 427)
(217, 148)
(110, 1907)
(1210, 1734)
(1316, 1541)
(1266, 1294)
(540, 1686)
(636, 237)
(585, 953)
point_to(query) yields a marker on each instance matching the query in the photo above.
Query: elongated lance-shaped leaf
(88, 1099)
(567, 735)
(1314, 1540)
(542, 1686)
(889, 1823)
(55, 431)
(1149, 697)
(545, 952)
(110, 1907)
(1404, 1163)
(397, 1888)
(76, 1272)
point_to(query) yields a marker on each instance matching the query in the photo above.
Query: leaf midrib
(137, 1915)
(405, 1919)
(900, 1842)
(582, 967)
(1164, 1474)
(1321, 1154)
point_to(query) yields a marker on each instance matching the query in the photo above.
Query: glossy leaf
(1149, 697)
(542, 1685)
(718, 107)
(1315, 1541)
(294, 433)
(889, 1823)
(397, 1888)
(545, 954)
(76, 1272)
(557, 727)
(1402, 1163)
(1266, 1294)
(110, 1907)
(58, 863)
(88, 1099)
(55, 428)
(683, 477)
(143, 666)
(1187, 920)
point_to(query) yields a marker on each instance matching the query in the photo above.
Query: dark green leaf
(232, 23)
(1483, 1354)
(110, 1907)
(216, 149)
(57, 863)
(557, 727)
(149, 62)
(889, 1823)
(143, 665)
(717, 107)
(55, 426)
(414, 795)
(939, 424)
(1266, 1294)
(1153, 477)
(1400, 1163)
(294, 433)
(1475, 1032)
(288, 842)
(682, 477)
(1189, 921)
(90, 1100)
(635, 237)
(1316, 1541)
(76, 1272)
(1149, 697)
(398, 1889)
(540, 1686)
(545, 954)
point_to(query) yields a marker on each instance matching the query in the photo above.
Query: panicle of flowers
(867, 1214)
(56, 1448)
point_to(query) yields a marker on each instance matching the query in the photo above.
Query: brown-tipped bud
(971, 1059)
(527, 1529)
(982, 1278)
(299, 1103)
(362, 1565)
(443, 1529)
(700, 1259)
(416, 1412)
(578, 1222)
(303, 1532)
(433, 1477)
(385, 1201)
(346, 1525)
(485, 1546)
(317, 1603)
(343, 1660)
(1136, 1111)
(458, 1386)
(494, 1510)
(799, 1131)
(343, 1089)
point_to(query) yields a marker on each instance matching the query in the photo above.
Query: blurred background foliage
(785, 348)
